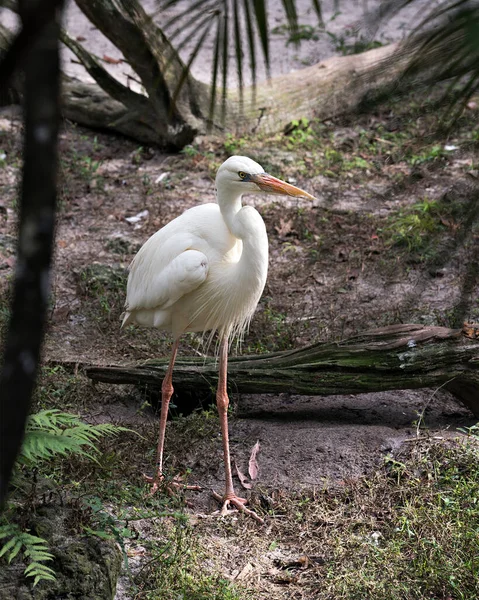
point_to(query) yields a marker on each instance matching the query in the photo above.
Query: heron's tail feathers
(126, 319)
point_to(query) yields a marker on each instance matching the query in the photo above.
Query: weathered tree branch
(396, 357)
(109, 84)
(157, 64)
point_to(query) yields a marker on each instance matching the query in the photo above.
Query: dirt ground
(331, 275)
(334, 270)
(363, 255)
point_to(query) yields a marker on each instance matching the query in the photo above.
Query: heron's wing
(150, 288)
(175, 260)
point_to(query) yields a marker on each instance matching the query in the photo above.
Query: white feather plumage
(195, 274)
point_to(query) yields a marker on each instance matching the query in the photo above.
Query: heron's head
(241, 175)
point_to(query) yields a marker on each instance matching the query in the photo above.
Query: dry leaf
(471, 330)
(302, 562)
(243, 479)
(284, 228)
(253, 463)
(110, 60)
(243, 574)
(285, 578)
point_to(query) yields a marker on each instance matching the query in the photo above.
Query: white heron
(205, 271)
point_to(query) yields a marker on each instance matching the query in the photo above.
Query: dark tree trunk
(40, 49)
(396, 357)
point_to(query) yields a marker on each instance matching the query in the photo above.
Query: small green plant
(49, 434)
(107, 526)
(89, 166)
(233, 144)
(357, 163)
(137, 155)
(276, 334)
(412, 227)
(52, 433)
(352, 42)
(34, 551)
(83, 165)
(299, 132)
(190, 151)
(301, 33)
(106, 285)
(472, 431)
(433, 153)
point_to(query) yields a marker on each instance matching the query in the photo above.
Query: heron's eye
(242, 175)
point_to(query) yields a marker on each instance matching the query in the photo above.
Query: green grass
(105, 286)
(407, 532)
(414, 227)
(430, 547)
(178, 568)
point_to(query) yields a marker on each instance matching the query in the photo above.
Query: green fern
(49, 433)
(35, 551)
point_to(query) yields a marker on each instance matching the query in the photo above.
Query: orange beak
(268, 183)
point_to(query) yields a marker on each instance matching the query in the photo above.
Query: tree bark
(396, 357)
(332, 87)
(176, 118)
(40, 53)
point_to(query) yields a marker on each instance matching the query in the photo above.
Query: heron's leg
(222, 402)
(166, 393)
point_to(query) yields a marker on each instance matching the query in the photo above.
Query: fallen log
(389, 358)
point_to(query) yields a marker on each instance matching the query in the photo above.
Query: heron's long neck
(230, 208)
(246, 224)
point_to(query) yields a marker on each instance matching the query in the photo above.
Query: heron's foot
(238, 503)
(159, 482)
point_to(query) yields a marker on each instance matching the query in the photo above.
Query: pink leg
(166, 393)
(222, 402)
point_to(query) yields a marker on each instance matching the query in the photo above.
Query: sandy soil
(344, 22)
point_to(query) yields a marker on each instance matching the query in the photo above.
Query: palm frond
(225, 59)
(238, 24)
(319, 13)
(216, 63)
(261, 21)
(251, 41)
(237, 40)
(443, 46)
